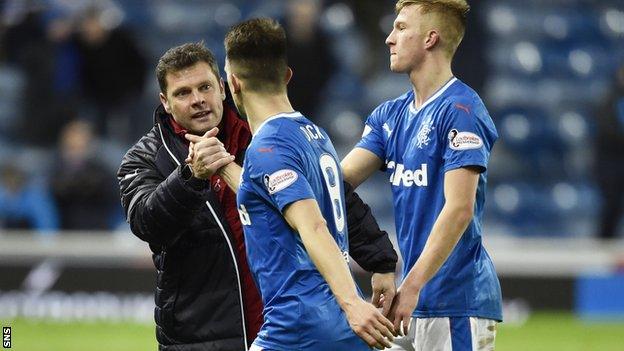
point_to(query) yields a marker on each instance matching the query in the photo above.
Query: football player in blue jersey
(434, 143)
(292, 207)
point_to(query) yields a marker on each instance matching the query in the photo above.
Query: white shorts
(448, 334)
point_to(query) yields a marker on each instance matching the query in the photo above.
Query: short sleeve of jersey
(277, 174)
(373, 137)
(467, 138)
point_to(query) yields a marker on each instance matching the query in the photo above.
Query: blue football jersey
(290, 159)
(450, 130)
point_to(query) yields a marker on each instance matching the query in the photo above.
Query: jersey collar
(433, 97)
(293, 114)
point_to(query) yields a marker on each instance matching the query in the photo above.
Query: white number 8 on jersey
(330, 170)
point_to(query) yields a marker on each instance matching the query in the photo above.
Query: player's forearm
(330, 262)
(231, 174)
(446, 232)
(358, 165)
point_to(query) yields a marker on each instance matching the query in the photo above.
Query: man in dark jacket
(205, 295)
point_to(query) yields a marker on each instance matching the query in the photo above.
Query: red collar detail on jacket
(234, 132)
(178, 129)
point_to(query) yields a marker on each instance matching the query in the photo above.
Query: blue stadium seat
(578, 204)
(611, 20)
(575, 126)
(530, 134)
(525, 129)
(531, 209)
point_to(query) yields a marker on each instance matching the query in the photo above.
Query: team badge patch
(279, 180)
(464, 140)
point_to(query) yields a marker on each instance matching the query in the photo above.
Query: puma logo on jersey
(387, 129)
(407, 177)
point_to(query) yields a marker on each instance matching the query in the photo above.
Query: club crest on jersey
(279, 180)
(422, 137)
(464, 140)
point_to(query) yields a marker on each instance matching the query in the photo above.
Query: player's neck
(428, 79)
(260, 107)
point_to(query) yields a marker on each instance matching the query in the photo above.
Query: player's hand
(402, 308)
(206, 154)
(384, 289)
(369, 324)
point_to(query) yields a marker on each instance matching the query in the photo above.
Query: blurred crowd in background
(77, 88)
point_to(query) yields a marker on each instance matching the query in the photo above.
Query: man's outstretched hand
(369, 324)
(384, 289)
(403, 306)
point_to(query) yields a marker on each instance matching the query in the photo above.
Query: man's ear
(222, 87)
(235, 84)
(163, 100)
(432, 38)
(288, 76)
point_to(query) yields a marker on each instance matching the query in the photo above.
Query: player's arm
(231, 174)
(368, 245)
(460, 187)
(371, 248)
(305, 217)
(358, 165)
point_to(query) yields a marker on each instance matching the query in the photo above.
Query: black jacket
(198, 296)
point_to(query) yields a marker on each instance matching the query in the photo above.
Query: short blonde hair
(449, 15)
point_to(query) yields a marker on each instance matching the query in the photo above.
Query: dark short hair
(256, 51)
(184, 56)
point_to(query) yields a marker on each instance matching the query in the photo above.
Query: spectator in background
(309, 55)
(609, 157)
(25, 203)
(113, 73)
(84, 189)
(38, 42)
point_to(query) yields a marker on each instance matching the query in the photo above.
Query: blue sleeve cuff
(282, 205)
(377, 152)
(480, 164)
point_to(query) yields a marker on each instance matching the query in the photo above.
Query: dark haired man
(205, 296)
(292, 205)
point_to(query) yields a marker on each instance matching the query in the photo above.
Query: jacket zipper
(227, 239)
(240, 292)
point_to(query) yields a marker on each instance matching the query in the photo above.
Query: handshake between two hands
(206, 154)
(377, 328)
